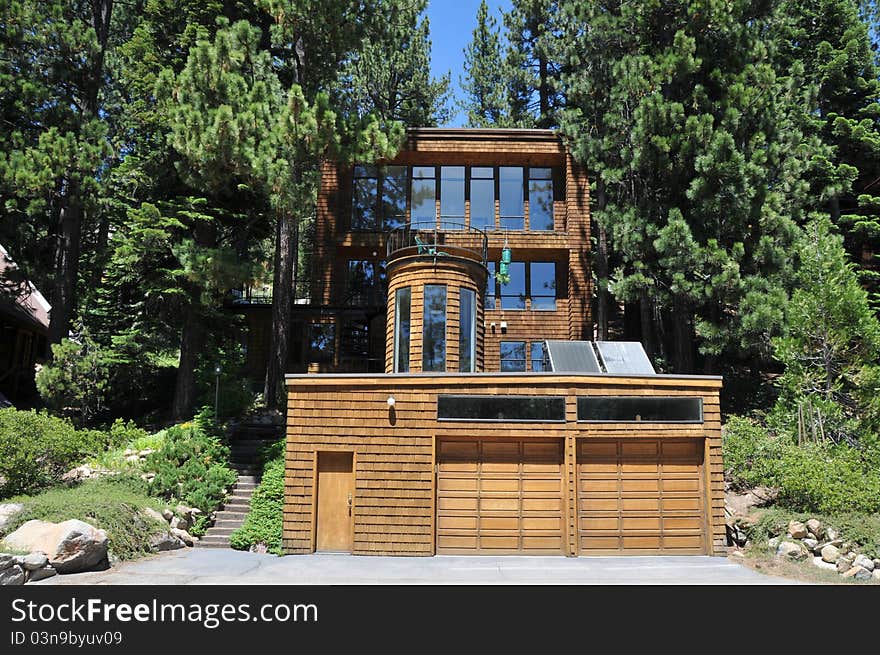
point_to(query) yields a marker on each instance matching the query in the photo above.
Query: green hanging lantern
(504, 265)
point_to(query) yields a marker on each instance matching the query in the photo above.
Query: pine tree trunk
(191, 340)
(67, 253)
(646, 317)
(683, 338)
(282, 290)
(69, 244)
(602, 295)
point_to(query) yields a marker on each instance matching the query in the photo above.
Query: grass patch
(111, 504)
(114, 460)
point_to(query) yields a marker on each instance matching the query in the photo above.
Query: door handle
(349, 504)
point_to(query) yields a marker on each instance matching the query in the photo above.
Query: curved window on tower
(467, 334)
(402, 302)
(434, 328)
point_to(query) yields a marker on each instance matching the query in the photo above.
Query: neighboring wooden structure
(426, 484)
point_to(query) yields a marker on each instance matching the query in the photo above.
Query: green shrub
(862, 529)
(264, 520)
(827, 478)
(110, 503)
(191, 467)
(127, 437)
(36, 449)
(750, 453)
(75, 382)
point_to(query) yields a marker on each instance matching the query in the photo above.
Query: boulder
(864, 562)
(163, 541)
(153, 514)
(6, 560)
(145, 452)
(35, 561)
(844, 564)
(774, 542)
(797, 530)
(876, 574)
(858, 573)
(830, 553)
(41, 574)
(132, 458)
(184, 536)
(822, 564)
(7, 511)
(811, 544)
(876, 563)
(831, 534)
(792, 551)
(815, 526)
(71, 546)
(12, 576)
(181, 523)
(167, 514)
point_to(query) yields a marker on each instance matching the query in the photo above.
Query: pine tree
(389, 74)
(532, 65)
(704, 155)
(485, 83)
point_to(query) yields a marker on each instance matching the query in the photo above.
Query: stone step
(221, 531)
(227, 523)
(245, 486)
(223, 515)
(218, 543)
(239, 504)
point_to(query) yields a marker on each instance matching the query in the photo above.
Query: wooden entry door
(334, 525)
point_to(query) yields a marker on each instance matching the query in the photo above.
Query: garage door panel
(640, 496)
(514, 488)
(453, 503)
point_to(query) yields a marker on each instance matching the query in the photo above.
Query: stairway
(245, 443)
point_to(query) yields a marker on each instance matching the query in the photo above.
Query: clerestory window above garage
(522, 409)
(631, 409)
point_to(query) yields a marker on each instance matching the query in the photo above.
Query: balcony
(438, 239)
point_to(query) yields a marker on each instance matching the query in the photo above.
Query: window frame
(699, 421)
(445, 327)
(512, 398)
(472, 336)
(396, 336)
(501, 359)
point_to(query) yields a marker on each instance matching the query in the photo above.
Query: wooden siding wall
(395, 448)
(415, 273)
(568, 245)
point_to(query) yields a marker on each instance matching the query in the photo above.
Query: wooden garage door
(641, 497)
(500, 497)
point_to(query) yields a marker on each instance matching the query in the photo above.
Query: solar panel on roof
(626, 357)
(573, 357)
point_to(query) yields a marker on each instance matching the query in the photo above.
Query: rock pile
(180, 520)
(825, 548)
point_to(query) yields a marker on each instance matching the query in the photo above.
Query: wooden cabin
(453, 402)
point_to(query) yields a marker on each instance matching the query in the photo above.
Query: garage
(641, 496)
(500, 496)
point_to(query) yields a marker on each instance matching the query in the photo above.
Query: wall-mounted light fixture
(391, 401)
(504, 326)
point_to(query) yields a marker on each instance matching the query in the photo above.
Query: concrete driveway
(202, 566)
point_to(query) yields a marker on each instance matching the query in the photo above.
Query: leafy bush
(750, 453)
(128, 437)
(110, 503)
(36, 449)
(263, 523)
(74, 384)
(815, 477)
(191, 467)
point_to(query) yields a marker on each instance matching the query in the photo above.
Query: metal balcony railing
(438, 239)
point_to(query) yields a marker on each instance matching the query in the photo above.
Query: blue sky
(452, 26)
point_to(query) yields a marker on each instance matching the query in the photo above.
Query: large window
(540, 199)
(378, 197)
(366, 282)
(452, 193)
(513, 294)
(542, 285)
(510, 196)
(322, 342)
(513, 356)
(434, 328)
(483, 198)
(424, 194)
(402, 303)
(467, 341)
(538, 354)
